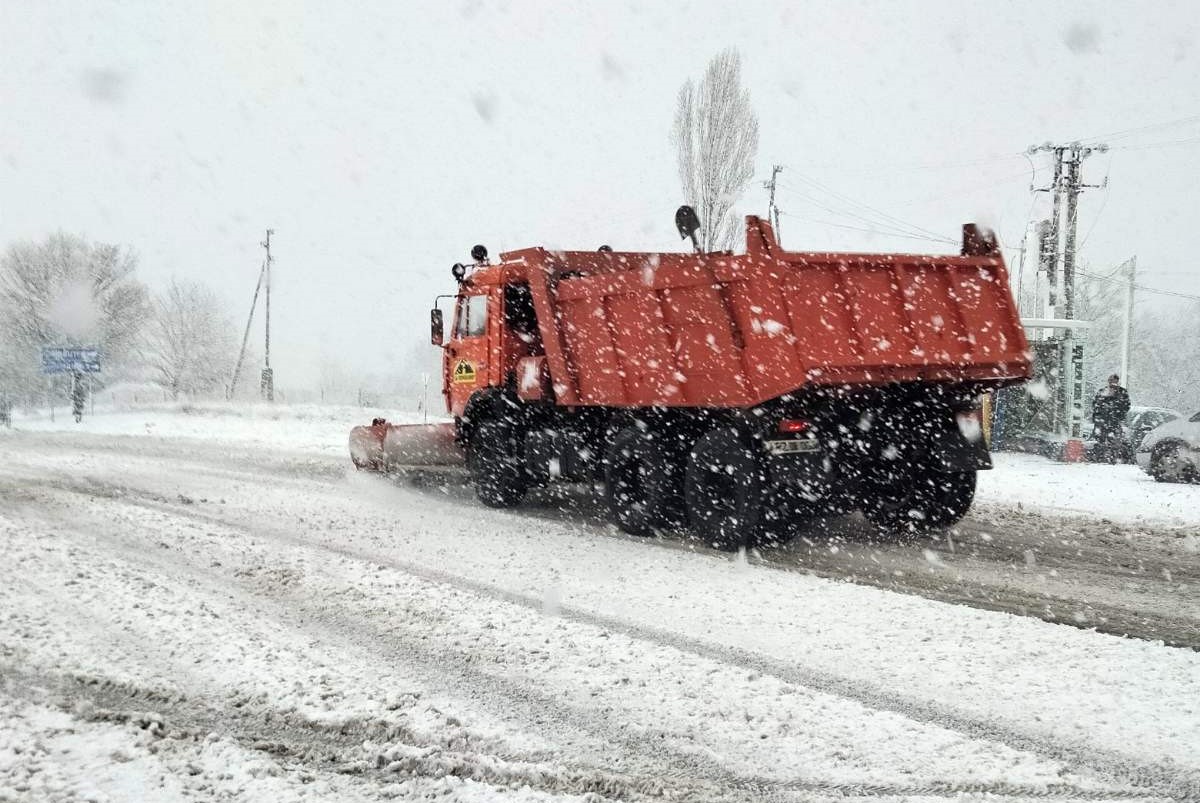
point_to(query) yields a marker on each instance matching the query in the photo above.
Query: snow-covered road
(190, 620)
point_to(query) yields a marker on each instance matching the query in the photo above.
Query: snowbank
(1120, 493)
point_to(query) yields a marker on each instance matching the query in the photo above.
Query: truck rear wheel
(723, 489)
(496, 465)
(640, 482)
(922, 503)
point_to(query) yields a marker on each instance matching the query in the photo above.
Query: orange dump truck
(735, 394)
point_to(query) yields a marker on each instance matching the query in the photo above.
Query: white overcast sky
(382, 140)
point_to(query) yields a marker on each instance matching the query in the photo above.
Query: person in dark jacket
(1109, 408)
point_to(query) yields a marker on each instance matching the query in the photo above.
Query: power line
(1126, 132)
(893, 167)
(1103, 203)
(875, 231)
(878, 227)
(1143, 288)
(1151, 145)
(883, 219)
(967, 188)
(848, 200)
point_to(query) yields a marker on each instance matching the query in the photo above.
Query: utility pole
(1075, 186)
(1066, 183)
(268, 376)
(1127, 328)
(1049, 236)
(772, 209)
(1073, 190)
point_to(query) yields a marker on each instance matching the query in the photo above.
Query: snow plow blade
(384, 447)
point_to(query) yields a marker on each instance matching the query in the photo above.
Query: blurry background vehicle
(1138, 422)
(1171, 452)
(1141, 420)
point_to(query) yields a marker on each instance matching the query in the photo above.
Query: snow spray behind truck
(735, 394)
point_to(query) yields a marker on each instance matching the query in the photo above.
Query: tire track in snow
(686, 771)
(288, 738)
(975, 574)
(986, 570)
(1165, 779)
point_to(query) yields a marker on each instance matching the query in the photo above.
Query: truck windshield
(472, 317)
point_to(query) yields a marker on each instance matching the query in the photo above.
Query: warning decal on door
(464, 373)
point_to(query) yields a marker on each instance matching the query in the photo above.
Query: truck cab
(493, 338)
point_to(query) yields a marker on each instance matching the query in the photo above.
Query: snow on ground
(311, 428)
(49, 755)
(1119, 493)
(220, 627)
(331, 641)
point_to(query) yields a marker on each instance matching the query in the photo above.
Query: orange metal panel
(635, 329)
(587, 338)
(707, 351)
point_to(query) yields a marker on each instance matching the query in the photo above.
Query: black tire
(722, 489)
(641, 482)
(922, 503)
(1166, 464)
(496, 464)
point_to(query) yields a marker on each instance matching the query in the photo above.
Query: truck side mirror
(435, 326)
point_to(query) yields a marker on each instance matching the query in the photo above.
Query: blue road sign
(84, 360)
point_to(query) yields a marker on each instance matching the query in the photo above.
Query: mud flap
(951, 451)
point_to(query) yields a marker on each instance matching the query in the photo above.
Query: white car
(1171, 452)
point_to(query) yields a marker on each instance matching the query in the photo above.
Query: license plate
(793, 447)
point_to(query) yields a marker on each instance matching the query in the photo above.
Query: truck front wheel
(496, 465)
(723, 489)
(922, 503)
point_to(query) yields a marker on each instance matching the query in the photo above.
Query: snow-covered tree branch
(190, 342)
(66, 291)
(716, 139)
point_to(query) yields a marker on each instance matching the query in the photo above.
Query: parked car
(1138, 422)
(1171, 452)
(1141, 420)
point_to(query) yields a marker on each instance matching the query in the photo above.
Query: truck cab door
(465, 358)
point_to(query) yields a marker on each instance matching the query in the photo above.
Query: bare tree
(1165, 355)
(1100, 302)
(716, 139)
(66, 291)
(190, 342)
(1165, 359)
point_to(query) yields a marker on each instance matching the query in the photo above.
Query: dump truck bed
(723, 330)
